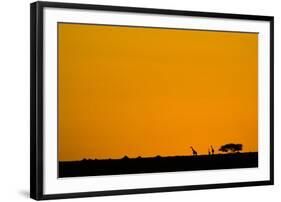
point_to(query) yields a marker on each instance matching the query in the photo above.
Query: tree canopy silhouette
(231, 147)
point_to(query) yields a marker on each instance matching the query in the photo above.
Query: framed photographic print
(131, 100)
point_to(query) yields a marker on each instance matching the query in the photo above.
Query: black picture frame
(37, 102)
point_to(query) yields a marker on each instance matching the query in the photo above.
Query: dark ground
(157, 164)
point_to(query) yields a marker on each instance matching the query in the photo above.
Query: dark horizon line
(157, 156)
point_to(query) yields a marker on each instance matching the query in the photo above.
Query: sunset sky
(151, 91)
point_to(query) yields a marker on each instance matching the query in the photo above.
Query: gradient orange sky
(151, 91)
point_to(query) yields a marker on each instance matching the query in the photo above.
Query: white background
(14, 101)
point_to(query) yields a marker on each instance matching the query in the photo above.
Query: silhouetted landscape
(126, 165)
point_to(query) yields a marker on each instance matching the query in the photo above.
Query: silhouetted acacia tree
(231, 147)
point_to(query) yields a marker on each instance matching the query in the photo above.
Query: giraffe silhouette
(194, 153)
(212, 149)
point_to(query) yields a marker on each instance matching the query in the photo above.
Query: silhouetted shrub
(125, 157)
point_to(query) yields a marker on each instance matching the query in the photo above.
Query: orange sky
(150, 91)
